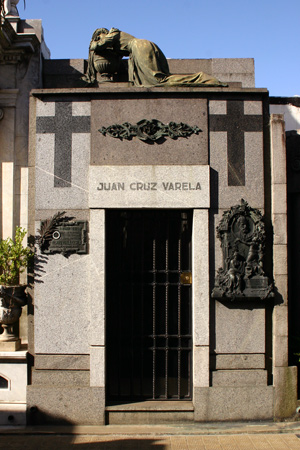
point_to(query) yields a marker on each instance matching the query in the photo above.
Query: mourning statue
(242, 235)
(147, 65)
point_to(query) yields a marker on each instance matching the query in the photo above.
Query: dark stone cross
(236, 123)
(63, 124)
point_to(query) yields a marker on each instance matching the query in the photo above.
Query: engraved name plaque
(68, 238)
(149, 186)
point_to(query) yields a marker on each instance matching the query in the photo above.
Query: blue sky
(265, 30)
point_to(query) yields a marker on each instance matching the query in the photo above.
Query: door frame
(200, 298)
(139, 367)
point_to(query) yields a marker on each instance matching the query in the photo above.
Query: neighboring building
(21, 59)
(130, 319)
(290, 109)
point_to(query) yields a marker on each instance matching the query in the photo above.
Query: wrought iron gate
(148, 304)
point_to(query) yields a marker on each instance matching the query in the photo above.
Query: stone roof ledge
(28, 39)
(66, 73)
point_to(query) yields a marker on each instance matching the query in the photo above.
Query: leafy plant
(14, 258)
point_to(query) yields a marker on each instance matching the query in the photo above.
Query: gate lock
(186, 278)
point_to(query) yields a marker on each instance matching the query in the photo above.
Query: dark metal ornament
(149, 130)
(59, 234)
(242, 235)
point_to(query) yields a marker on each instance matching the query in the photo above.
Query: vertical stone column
(24, 185)
(97, 303)
(200, 302)
(284, 377)
(8, 99)
(7, 199)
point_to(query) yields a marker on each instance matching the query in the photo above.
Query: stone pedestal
(10, 346)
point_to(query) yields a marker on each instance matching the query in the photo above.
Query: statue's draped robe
(147, 65)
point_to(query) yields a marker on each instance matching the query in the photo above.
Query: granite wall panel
(107, 150)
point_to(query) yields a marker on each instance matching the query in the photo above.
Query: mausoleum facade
(160, 287)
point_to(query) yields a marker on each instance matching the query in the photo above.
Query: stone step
(150, 412)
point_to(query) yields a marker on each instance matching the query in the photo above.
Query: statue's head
(243, 224)
(98, 32)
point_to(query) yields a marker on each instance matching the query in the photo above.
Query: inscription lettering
(111, 187)
(150, 186)
(67, 238)
(143, 186)
(181, 186)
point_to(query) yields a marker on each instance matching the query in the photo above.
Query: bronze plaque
(68, 238)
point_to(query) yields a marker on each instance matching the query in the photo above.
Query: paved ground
(233, 442)
(213, 437)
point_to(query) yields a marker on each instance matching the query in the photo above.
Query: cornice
(14, 46)
(7, 34)
(8, 97)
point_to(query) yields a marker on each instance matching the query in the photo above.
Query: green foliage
(14, 258)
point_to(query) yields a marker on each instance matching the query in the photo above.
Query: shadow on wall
(67, 73)
(39, 262)
(37, 417)
(12, 415)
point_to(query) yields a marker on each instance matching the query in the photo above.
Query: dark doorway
(148, 305)
(293, 217)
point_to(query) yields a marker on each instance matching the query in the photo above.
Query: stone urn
(106, 65)
(12, 298)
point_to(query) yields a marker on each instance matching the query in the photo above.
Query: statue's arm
(106, 41)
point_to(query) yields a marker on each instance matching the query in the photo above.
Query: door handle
(186, 278)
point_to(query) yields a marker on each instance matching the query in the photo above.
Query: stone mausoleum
(161, 288)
